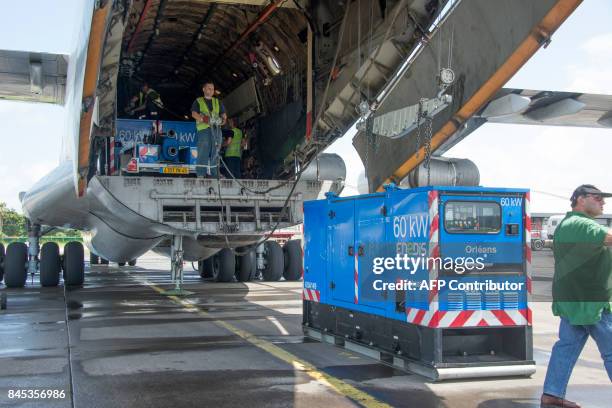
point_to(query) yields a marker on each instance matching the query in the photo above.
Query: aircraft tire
(15, 265)
(74, 264)
(292, 251)
(121, 263)
(274, 261)
(132, 262)
(2, 253)
(50, 264)
(224, 266)
(93, 259)
(205, 267)
(247, 265)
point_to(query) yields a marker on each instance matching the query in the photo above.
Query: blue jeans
(209, 143)
(567, 349)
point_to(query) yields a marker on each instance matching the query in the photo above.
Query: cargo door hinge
(331, 214)
(332, 285)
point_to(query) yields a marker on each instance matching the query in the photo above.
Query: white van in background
(551, 225)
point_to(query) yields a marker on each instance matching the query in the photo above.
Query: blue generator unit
(433, 280)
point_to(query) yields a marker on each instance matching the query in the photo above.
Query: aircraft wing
(533, 107)
(33, 76)
(550, 108)
(485, 43)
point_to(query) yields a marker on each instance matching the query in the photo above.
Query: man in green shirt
(582, 291)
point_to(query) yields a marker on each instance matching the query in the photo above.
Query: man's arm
(197, 116)
(223, 114)
(608, 238)
(140, 108)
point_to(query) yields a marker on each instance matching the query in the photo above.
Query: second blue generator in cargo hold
(435, 280)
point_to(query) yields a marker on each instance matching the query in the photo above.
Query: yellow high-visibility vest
(204, 110)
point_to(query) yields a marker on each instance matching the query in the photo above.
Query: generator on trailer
(435, 280)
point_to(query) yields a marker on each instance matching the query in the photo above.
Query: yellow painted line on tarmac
(332, 382)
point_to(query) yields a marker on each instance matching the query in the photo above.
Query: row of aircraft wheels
(279, 262)
(14, 264)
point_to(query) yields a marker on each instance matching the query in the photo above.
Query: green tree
(12, 224)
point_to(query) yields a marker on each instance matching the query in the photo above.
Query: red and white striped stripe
(311, 294)
(433, 244)
(111, 157)
(528, 252)
(467, 318)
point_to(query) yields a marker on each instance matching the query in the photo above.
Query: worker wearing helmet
(209, 114)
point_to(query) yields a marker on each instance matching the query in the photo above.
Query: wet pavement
(118, 342)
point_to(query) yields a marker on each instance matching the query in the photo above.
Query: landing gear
(273, 257)
(93, 259)
(176, 265)
(292, 252)
(50, 264)
(132, 262)
(224, 266)
(74, 264)
(21, 259)
(15, 265)
(33, 248)
(247, 266)
(121, 263)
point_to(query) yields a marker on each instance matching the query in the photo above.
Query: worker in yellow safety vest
(147, 104)
(209, 114)
(233, 150)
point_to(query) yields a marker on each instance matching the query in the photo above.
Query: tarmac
(117, 342)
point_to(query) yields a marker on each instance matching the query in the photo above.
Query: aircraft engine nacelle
(445, 172)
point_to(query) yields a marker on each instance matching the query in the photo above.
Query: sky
(551, 160)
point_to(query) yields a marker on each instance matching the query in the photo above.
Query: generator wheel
(15, 261)
(247, 265)
(224, 266)
(292, 252)
(274, 261)
(93, 259)
(1, 261)
(50, 264)
(132, 262)
(74, 264)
